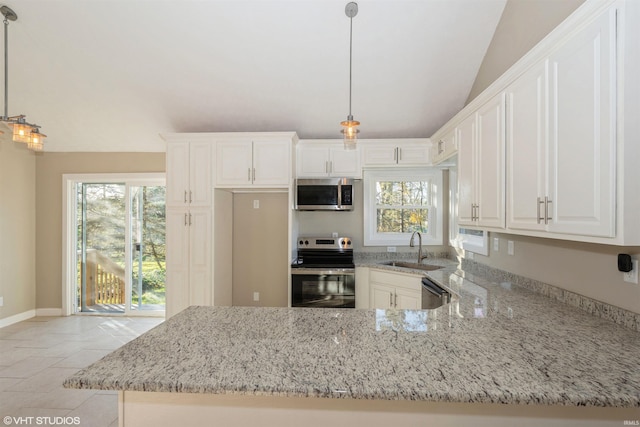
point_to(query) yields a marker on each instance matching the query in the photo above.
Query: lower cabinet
(394, 290)
(188, 242)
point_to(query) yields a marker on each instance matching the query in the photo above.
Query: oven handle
(320, 271)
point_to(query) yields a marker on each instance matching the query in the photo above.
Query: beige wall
(49, 170)
(523, 24)
(17, 228)
(260, 239)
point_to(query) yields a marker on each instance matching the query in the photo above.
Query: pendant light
(350, 127)
(23, 131)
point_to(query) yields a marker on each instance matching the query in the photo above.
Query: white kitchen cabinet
(583, 131)
(563, 181)
(189, 176)
(319, 159)
(394, 290)
(481, 166)
(396, 152)
(253, 163)
(444, 147)
(527, 140)
(188, 258)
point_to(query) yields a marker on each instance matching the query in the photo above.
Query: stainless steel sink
(414, 265)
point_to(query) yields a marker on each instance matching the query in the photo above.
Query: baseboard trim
(48, 312)
(17, 318)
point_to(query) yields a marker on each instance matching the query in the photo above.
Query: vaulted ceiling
(112, 75)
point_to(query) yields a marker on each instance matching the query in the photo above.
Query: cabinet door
(177, 174)
(444, 147)
(490, 163)
(345, 163)
(312, 161)
(271, 163)
(582, 123)
(234, 163)
(406, 299)
(414, 154)
(177, 262)
(381, 296)
(200, 177)
(526, 149)
(380, 154)
(200, 238)
(466, 170)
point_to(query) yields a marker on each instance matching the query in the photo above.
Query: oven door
(323, 288)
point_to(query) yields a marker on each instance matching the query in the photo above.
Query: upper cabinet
(481, 165)
(322, 158)
(444, 147)
(253, 162)
(189, 180)
(549, 149)
(400, 152)
(561, 142)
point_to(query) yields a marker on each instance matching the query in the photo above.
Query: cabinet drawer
(407, 281)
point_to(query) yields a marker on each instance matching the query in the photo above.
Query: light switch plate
(510, 248)
(256, 204)
(496, 244)
(391, 248)
(256, 296)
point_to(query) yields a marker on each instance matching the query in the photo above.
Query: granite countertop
(495, 343)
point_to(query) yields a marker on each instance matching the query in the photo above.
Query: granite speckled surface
(495, 343)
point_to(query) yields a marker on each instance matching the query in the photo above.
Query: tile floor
(38, 354)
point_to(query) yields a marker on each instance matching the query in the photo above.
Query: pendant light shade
(36, 140)
(350, 127)
(22, 130)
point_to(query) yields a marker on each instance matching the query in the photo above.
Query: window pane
(402, 220)
(388, 193)
(402, 193)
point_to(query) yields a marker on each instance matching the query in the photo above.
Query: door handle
(539, 218)
(547, 202)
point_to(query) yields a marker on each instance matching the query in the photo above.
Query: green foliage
(402, 206)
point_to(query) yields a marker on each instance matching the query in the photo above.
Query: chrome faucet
(420, 256)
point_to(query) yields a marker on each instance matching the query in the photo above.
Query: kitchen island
(496, 355)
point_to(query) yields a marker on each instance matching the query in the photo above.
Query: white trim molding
(25, 315)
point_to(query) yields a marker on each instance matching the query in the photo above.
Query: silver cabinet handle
(185, 219)
(190, 218)
(539, 218)
(248, 174)
(547, 202)
(330, 166)
(326, 166)
(399, 154)
(190, 196)
(390, 300)
(254, 174)
(440, 149)
(395, 154)
(185, 196)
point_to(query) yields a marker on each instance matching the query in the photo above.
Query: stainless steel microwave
(329, 194)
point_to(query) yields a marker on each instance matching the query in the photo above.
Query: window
(397, 203)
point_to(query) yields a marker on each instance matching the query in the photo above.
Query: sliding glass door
(120, 246)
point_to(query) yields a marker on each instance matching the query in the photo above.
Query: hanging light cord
(350, 61)
(6, 68)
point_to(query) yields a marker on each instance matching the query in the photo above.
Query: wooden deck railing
(105, 280)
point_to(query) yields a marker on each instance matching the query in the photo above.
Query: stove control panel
(324, 243)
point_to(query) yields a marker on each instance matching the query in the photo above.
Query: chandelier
(23, 131)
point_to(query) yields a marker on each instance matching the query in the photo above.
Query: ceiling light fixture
(23, 131)
(350, 127)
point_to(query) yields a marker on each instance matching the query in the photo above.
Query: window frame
(435, 234)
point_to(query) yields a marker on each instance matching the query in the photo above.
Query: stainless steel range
(323, 275)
